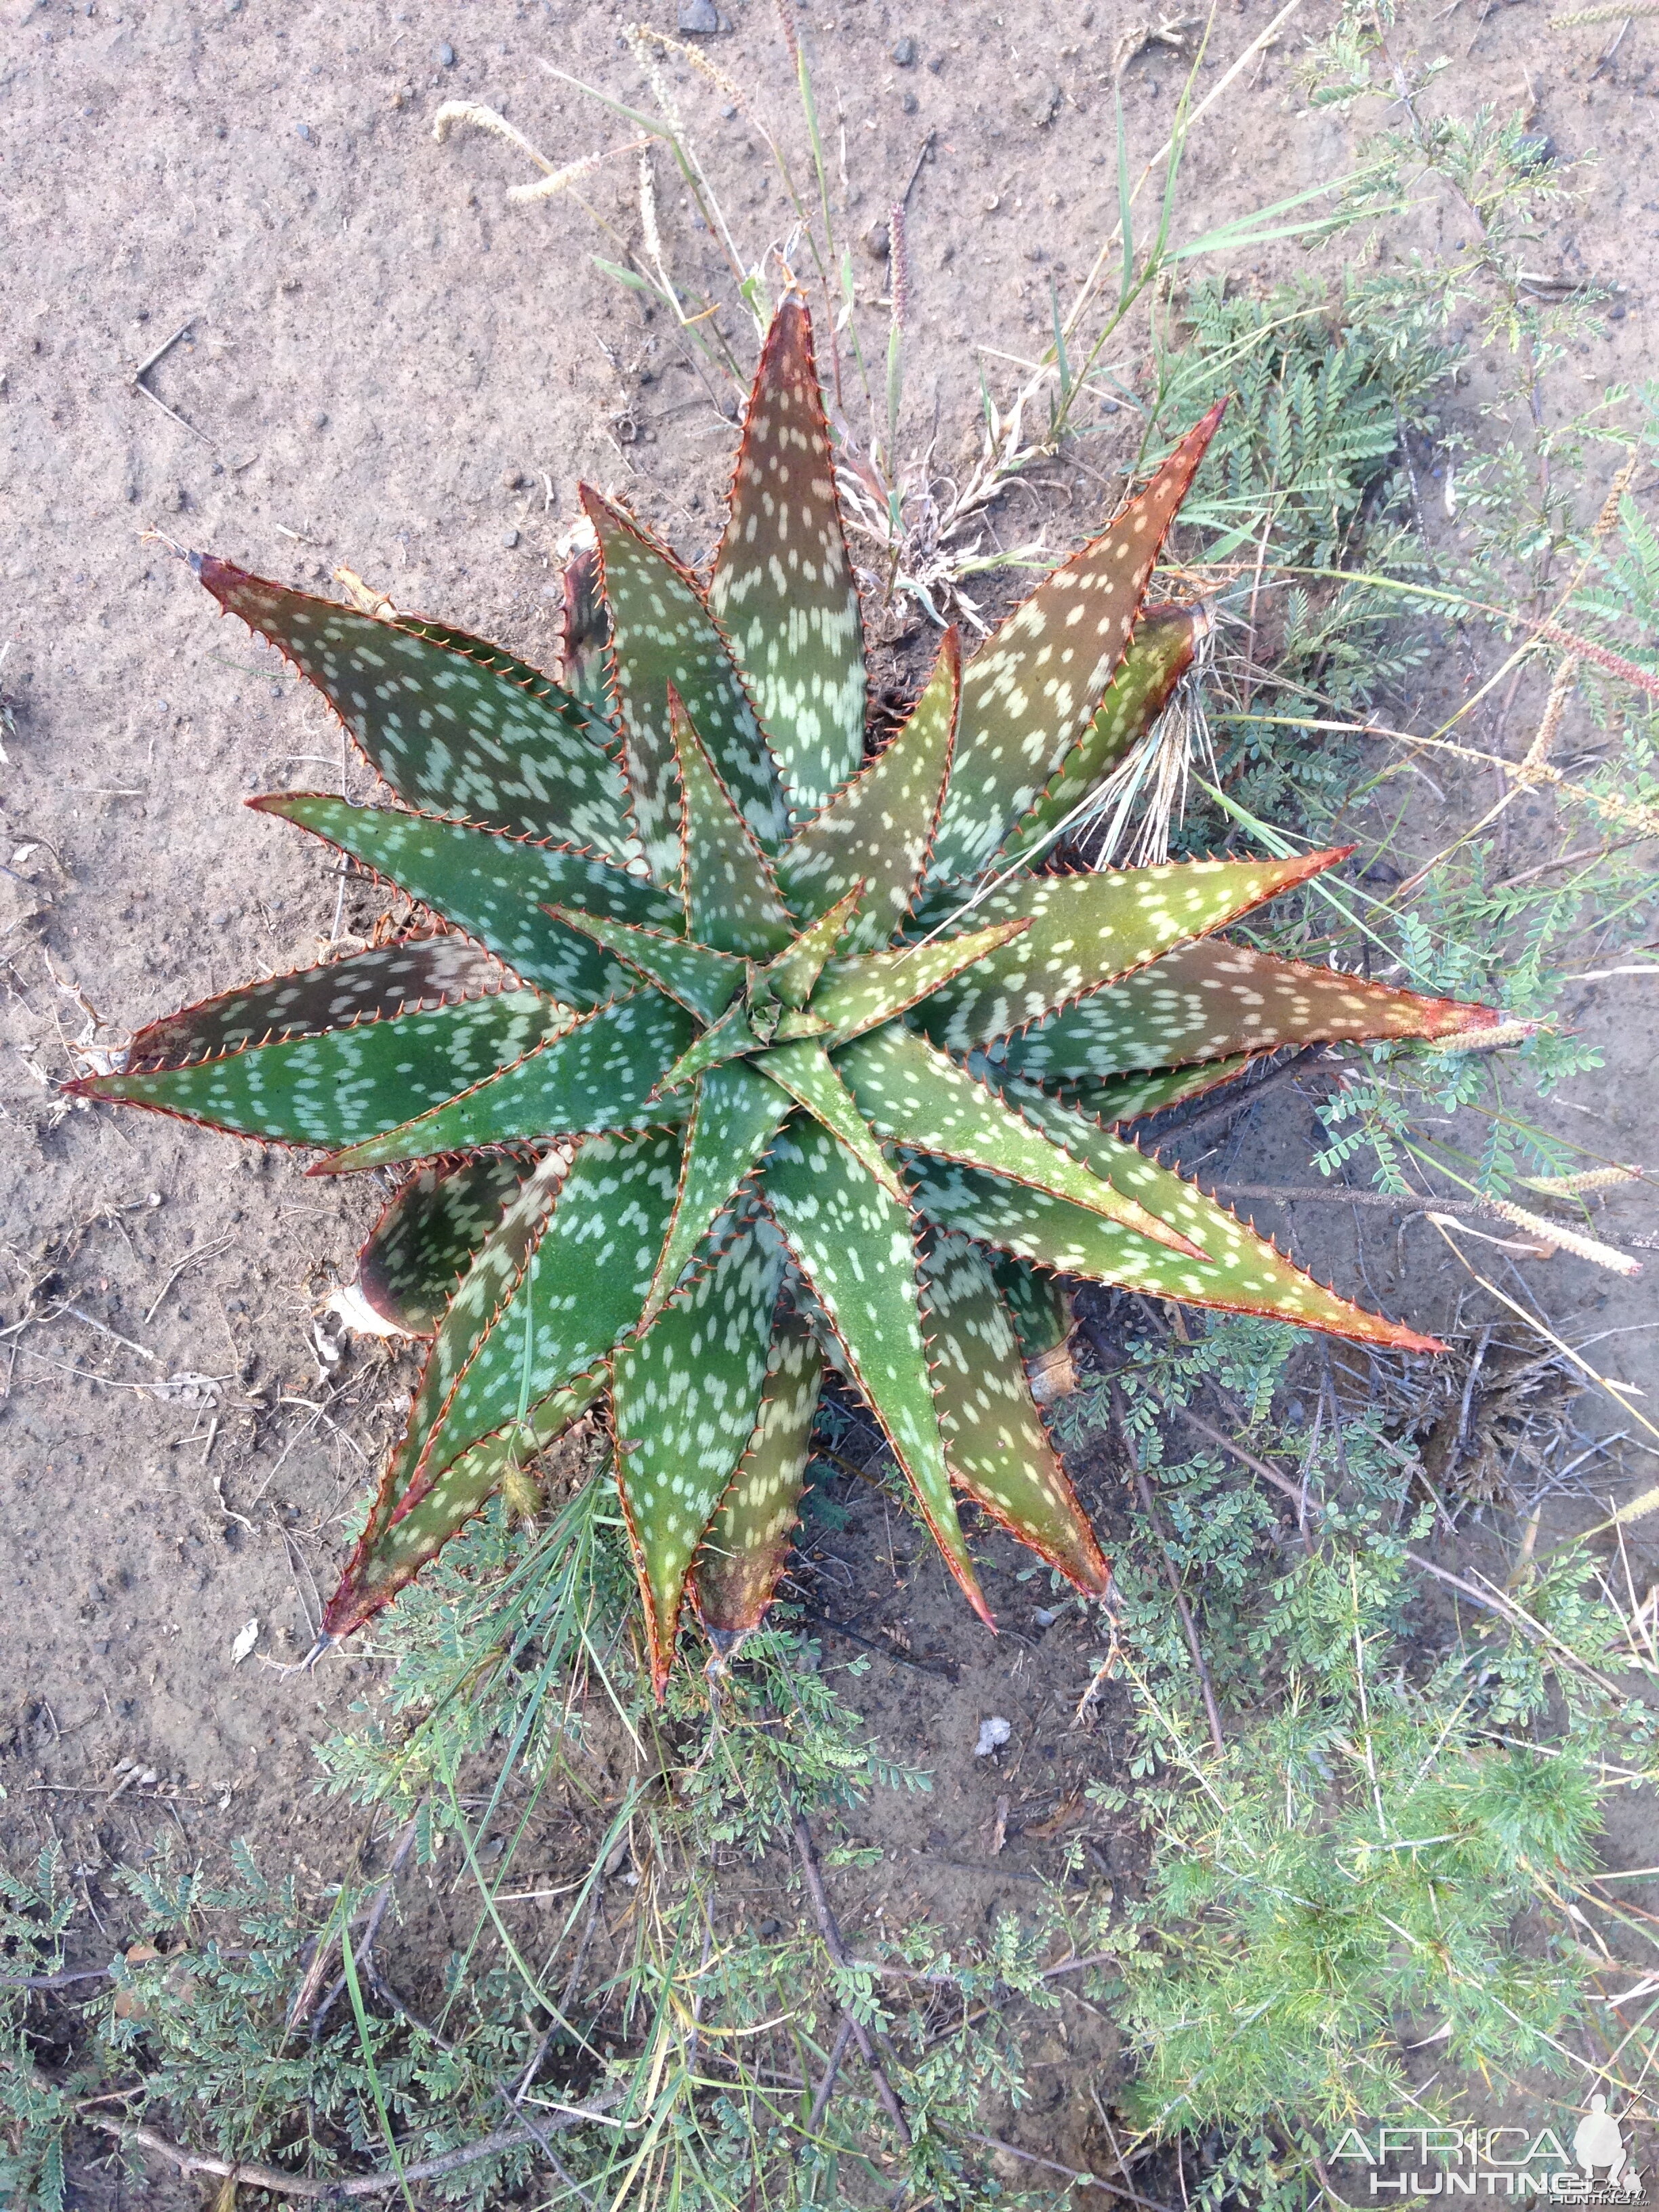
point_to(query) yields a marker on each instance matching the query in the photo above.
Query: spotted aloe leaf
(911, 1093)
(843, 1005)
(994, 1440)
(1210, 1000)
(1087, 931)
(1028, 697)
(735, 1114)
(877, 830)
(806, 1072)
(782, 585)
(425, 1241)
(702, 979)
(450, 734)
(662, 638)
(497, 889)
(732, 898)
(596, 1075)
(853, 1243)
(1160, 653)
(743, 1555)
(348, 1085)
(686, 1398)
(535, 1314)
(1123, 1098)
(860, 994)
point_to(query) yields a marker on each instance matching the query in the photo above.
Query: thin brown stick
(829, 1928)
(826, 2087)
(1149, 1507)
(1092, 2180)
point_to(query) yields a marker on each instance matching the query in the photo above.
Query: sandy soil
(387, 367)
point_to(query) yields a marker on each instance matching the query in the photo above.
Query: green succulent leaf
(1123, 1098)
(1029, 694)
(599, 1074)
(728, 1039)
(794, 974)
(877, 830)
(348, 1085)
(782, 585)
(450, 734)
(495, 888)
(1036, 1303)
(363, 987)
(860, 994)
(743, 1555)
(731, 899)
(1239, 1273)
(663, 637)
(994, 1440)
(1160, 653)
(686, 1397)
(734, 1116)
(853, 1243)
(806, 1073)
(533, 1316)
(910, 1093)
(584, 645)
(703, 981)
(1213, 1001)
(425, 1241)
(1090, 930)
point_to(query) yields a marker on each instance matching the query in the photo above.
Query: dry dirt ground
(386, 366)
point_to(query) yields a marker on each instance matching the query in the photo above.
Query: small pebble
(1043, 102)
(701, 17)
(303, 130)
(444, 54)
(904, 52)
(1047, 1615)
(875, 242)
(511, 479)
(728, 111)
(320, 420)
(509, 538)
(993, 1735)
(909, 103)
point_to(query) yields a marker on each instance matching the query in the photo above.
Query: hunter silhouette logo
(1389, 2162)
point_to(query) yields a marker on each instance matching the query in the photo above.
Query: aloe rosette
(725, 1054)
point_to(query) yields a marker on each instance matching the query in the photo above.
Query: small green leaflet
(425, 1242)
(743, 1555)
(1211, 1001)
(794, 974)
(495, 888)
(858, 994)
(363, 987)
(1087, 931)
(349, 1086)
(805, 1072)
(685, 1400)
(597, 1075)
(702, 980)
(782, 585)
(1029, 695)
(1240, 1272)
(908, 1091)
(877, 830)
(449, 735)
(582, 1288)
(1160, 652)
(663, 635)
(732, 901)
(997, 1446)
(734, 1116)
(853, 1243)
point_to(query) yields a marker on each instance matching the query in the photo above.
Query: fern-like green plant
(729, 1052)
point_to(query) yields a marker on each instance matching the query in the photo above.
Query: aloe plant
(729, 1049)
